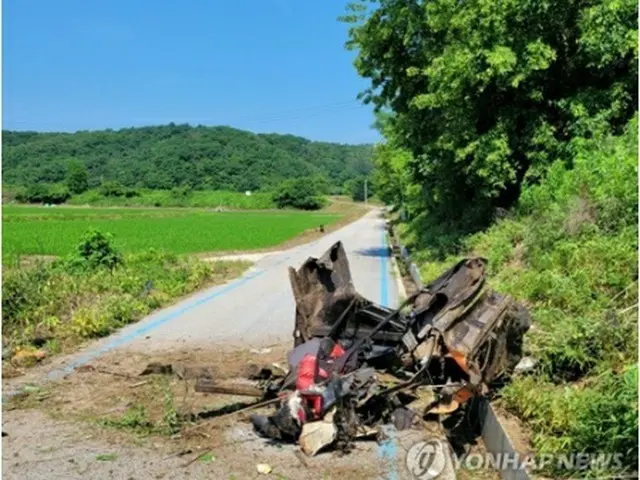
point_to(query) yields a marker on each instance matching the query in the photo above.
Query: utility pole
(365, 191)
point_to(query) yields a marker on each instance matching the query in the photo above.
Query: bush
(181, 192)
(43, 193)
(298, 193)
(131, 193)
(96, 250)
(165, 198)
(112, 188)
(57, 194)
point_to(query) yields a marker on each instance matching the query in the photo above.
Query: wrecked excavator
(356, 365)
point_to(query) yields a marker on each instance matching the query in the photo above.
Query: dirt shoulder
(107, 421)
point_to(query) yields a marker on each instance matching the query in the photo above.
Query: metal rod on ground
(241, 390)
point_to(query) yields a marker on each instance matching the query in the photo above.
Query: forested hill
(163, 157)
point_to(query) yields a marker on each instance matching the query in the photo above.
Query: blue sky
(260, 65)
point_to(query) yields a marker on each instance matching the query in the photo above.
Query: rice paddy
(57, 230)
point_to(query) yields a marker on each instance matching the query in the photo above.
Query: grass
(135, 420)
(569, 252)
(107, 457)
(65, 302)
(54, 231)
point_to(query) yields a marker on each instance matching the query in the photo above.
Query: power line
(285, 114)
(298, 117)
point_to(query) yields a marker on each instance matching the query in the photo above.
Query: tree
(484, 95)
(299, 193)
(77, 179)
(356, 188)
(112, 188)
(43, 193)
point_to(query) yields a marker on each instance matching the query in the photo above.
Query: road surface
(257, 308)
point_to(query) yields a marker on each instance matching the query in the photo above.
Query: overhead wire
(298, 113)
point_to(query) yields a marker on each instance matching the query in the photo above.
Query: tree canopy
(481, 96)
(163, 157)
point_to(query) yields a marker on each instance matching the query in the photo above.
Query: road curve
(257, 308)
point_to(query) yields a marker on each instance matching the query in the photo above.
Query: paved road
(257, 308)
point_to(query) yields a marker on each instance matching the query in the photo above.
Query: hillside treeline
(164, 157)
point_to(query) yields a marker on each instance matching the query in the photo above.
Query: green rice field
(57, 230)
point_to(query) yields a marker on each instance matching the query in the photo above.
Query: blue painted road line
(388, 448)
(384, 273)
(152, 325)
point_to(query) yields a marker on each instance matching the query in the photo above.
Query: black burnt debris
(357, 365)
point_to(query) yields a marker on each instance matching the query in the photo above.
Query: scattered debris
(207, 385)
(317, 435)
(27, 357)
(357, 365)
(301, 458)
(264, 468)
(261, 351)
(158, 369)
(527, 364)
(138, 384)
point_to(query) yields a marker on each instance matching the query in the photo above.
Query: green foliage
(569, 252)
(77, 180)
(58, 300)
(489, 104)
(597, 417)
(302, 193)
(356, 189)
(54, 231)
(135, 419)
(181, 193)
(96, 250)
(43, 193)
(392, 180)
(112, 188)
(177, 197)
(485, 95)
(164, 157)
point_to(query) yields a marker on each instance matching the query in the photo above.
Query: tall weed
(77, 297)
